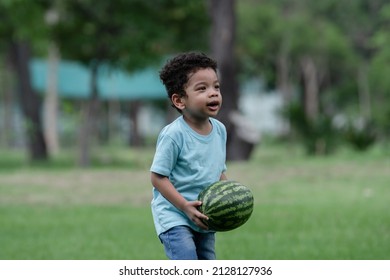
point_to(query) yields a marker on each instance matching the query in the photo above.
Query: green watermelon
(227, 204)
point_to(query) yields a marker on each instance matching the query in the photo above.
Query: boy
(190, 155)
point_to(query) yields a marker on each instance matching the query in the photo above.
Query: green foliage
(128, 33)
(380, 64)
(23, 20)
(258, 30)
(319, 136)
(340, 37)
(131, 34)
(271, 30)
(184, 25)
(360, 134)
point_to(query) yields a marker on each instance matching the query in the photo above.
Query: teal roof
(74, 82)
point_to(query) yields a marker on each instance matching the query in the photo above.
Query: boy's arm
(223, 177)
(165, 187)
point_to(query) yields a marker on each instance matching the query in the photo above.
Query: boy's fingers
(202, 225)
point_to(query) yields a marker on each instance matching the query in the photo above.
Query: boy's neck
(202, 127)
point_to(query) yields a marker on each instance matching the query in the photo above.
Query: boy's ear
(177, 101)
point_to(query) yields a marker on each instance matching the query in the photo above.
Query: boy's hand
(191, 210)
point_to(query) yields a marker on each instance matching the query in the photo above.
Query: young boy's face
(203, 98)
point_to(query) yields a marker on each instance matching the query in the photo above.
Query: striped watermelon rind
(227, 204)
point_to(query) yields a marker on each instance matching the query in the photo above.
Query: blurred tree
(264, 45)
(51, 101)
(6, 105)
(223, 47)
(16, 40)
(127, 34)
(358, 20)
(380, 72)
(284, 44)
(321, 49)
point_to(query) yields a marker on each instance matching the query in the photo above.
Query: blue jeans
(183, 243)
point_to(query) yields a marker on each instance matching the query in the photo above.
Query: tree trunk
(283, 77)
(113, 112)
(223, 34)
(135, 136)
(311, 88)
(51, 101)
(283, 70)
(29, 101)
(89, 114)
(222, 47)
(6, 106)
(364, 91)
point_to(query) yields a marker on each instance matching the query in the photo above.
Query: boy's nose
(214, 92)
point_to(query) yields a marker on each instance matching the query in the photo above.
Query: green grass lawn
(334, 207)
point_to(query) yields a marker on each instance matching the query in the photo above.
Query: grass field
(316, 208)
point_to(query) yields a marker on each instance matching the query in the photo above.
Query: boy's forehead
(207, 75)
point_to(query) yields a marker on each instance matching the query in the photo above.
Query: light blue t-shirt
(192, 162)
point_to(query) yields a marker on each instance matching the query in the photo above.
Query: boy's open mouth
(213, 105)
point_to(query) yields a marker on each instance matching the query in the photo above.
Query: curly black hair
(176, 71)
